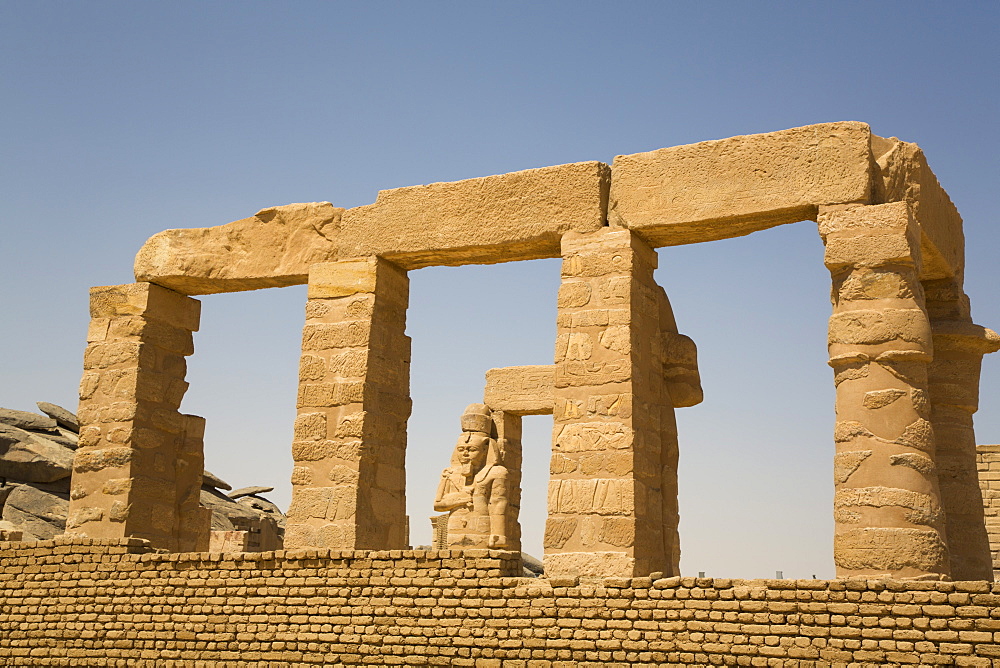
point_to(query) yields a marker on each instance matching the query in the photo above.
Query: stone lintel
(521, 390)
(516, 216)
(732, 187)
(271, 249)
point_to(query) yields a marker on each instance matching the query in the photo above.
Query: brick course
(117, 602)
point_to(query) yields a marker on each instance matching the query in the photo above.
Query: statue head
(475, 449)
(471, 452)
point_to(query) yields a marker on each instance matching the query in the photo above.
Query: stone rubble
(36, 462)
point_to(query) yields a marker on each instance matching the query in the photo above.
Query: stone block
(732, 187)
(590, 564)
(609, 496)
(902, 174)
(515, 216)
(521, 390)
(147, 300)
(896, 550)
(273, 248)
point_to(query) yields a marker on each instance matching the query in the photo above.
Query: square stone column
(507, 428)
(607, 514)
(348, 484)
(125, 471)
(887, 507)
(193, 524)
(959, 346)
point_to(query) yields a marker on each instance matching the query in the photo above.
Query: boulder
(247, 491)
(264, 507)
(37, 512)
(226, 513)
(4, 493)
(63, 417)
(212, 480)
(32, 457)
(532, 565)
(63, 437)
(26, 420)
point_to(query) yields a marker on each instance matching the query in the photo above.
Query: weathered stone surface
(25, 420)
(905, 551)
(110, 303)
(264, 507)
(732, 187)
(521, 390)
(272, 248)
(515, 216)
(225, 510)
(31, 457)
(902, 173)
(40, 513)
(474, 490)
(213, 480)
(247, 491)
(5, 491)
(66, 419)
(63, 437)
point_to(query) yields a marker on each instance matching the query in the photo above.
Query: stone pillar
(508, 434)
(959, 346)
(193, 523)
(348, 484)
(606, 511)
(887, 506)
(125, 470)
(988, 463)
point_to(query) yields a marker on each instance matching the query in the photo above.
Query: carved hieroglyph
(903, 346)
(612, 491)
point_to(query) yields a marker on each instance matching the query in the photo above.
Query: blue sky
(121, 119)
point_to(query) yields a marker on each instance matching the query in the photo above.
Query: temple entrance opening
(760, 440)
(463, 321)
(249, 406)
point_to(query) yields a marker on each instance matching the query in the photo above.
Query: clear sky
(121, 119)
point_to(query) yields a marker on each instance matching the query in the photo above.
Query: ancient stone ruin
(904, 351)
(36, 464)
(903, 348)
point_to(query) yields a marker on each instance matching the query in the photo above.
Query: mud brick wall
(988, 464)
(115, 602)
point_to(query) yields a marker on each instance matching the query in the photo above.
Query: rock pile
(36, 461)
(242, 510)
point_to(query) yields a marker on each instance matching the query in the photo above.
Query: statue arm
(445, 501)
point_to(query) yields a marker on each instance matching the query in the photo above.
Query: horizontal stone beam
(521, 390)
(516, 216)
(271, 249)
(672, 196)
(732, 187)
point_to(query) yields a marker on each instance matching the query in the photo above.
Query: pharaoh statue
(473, 489)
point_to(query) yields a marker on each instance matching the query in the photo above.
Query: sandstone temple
(916, 506)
